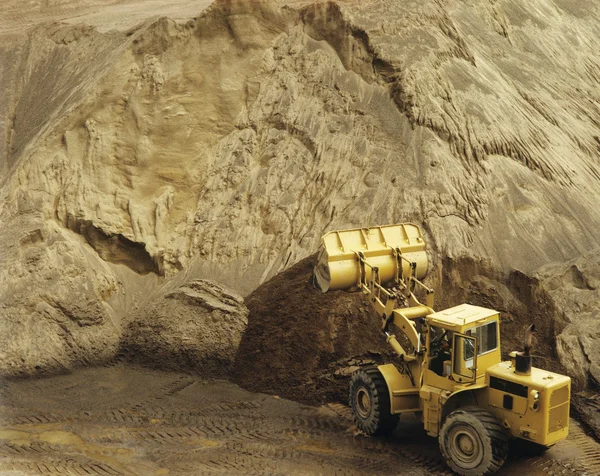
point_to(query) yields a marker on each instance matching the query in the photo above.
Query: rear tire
(369, 400)
(473, 442)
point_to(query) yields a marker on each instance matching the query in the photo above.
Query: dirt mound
(302, 344)
(51, 317)
(197, 327)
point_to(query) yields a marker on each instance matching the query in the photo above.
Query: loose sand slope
(224, 147)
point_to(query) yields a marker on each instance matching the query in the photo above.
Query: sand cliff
(223, 147)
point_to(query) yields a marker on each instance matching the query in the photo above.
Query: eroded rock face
(574, 287)
(197, 326)
(226, 146)
(238, 138)
(53, 310)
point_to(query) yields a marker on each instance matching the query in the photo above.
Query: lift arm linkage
(397, 305)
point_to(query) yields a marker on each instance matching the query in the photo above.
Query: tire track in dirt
(189, 426)
(63, 467)
(589, 448)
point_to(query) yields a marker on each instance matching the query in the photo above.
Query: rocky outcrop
(53, 301)
(574, 287)
(196, 327)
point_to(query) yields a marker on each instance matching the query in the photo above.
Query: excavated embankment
(134, 163)
(299, 338)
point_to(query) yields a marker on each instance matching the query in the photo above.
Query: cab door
(464, 358)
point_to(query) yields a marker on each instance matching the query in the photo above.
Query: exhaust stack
(523, 359)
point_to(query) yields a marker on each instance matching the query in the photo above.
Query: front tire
(369, 399)
(473, 442)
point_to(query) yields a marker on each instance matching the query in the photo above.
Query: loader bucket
(338, 268)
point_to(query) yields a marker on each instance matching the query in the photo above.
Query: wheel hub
(466, 447)
(363, 402)
(466, 444)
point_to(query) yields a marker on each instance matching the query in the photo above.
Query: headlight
(534, 397)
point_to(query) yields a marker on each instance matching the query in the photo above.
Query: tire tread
(382, 421)
(494, 431)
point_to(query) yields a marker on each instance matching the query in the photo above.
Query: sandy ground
(124, 420)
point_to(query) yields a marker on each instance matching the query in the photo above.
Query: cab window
(487, 337)
(465, 360)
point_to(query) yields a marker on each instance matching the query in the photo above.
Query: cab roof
(462, 315)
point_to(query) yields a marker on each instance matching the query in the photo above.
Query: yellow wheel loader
(449, 369)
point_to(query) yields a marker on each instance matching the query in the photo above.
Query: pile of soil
(194, 327)
(302, 344)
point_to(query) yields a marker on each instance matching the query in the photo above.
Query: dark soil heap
(325, 336)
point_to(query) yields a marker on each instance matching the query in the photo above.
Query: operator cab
(440, 347)
(460, 341)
